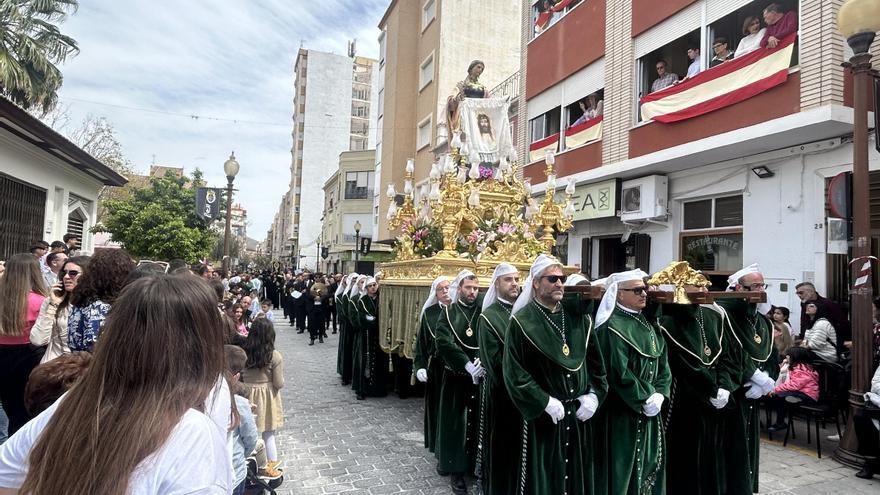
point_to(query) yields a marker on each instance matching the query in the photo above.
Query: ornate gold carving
(680, 274)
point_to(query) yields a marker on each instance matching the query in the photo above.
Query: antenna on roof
(352, 48)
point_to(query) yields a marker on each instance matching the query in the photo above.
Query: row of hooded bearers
(360, 360)
(538, 391)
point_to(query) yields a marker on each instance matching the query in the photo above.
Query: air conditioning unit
(643, 198)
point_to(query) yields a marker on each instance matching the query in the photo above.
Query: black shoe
(346, 384)
(442, 472)
(312, 342)
(866, 473)
(777, 427)
(299, 331)
(360, 397)
(325, 335)
(334, 332)
(459, 486)
(321, 339)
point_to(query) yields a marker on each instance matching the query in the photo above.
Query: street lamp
(357, 243)
(230, 168)
(858, 21)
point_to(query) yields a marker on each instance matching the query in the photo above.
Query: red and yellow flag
(589, 130)
(538, 150)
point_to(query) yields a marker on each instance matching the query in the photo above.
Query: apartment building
(728, 168)
(333, 105)
(348, 205)
(424, 49)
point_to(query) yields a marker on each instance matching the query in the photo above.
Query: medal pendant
(565, 349)
(469, 332)
(757, 339)
(707, 351)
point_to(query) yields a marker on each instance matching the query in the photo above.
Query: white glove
(754, 391)
(763, 381)
(555, 410)
(652, 406)
(422, 375)
(589, 404)
(720, 399)
(476, 371)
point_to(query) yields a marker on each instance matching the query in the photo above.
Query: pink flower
(506, 229)
(486, 172)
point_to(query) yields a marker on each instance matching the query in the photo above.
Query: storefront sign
(598, 200)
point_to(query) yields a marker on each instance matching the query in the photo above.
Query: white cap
(453, 287)
(370, 280)
(575, 279)
(355, 291)
(500, 271)
(609, 300)
(542, 262)
(432, 297)
(734, 279)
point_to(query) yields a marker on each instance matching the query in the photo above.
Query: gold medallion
(757, 339)
(707, 351)
(565, 349)
(469, 332)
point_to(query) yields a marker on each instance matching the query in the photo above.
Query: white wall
(27, 163)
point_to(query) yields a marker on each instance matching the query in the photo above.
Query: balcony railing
(508, 87)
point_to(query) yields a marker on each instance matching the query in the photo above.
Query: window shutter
(544, 102)
(681, 23)
(716, 9)
(584, 82)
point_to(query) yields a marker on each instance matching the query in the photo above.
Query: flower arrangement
(491, 236)
(426, 239)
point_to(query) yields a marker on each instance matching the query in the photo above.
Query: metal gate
(22, 209)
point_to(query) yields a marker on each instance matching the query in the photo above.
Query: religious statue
(470, 87)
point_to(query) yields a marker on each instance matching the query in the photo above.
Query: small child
(265, 311)
(802, 383)
(263, 378)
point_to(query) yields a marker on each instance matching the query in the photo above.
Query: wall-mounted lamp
(763, 172)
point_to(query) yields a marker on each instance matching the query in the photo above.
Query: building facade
(333, 105)
(424, 49)
(348, 204)
(728, 168)
(48, 186)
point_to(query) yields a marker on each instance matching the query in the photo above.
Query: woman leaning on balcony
(753, 33)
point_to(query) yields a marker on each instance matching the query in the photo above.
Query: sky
(148, 66)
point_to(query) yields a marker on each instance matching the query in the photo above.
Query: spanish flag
(589, 130)
(722, 85)
(538, 150)
(544, 17)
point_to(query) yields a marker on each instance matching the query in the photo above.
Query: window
(426, 71)
(358, 143)
(382, 48)
(711, 238)
(358, 185)
(360, 93)
(429, 11)
(593, 107)
(545, 125)
(359, 128)
(361, 110)
(423, 133)
(546, 13)
(380, 102)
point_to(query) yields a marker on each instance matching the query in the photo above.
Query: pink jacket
(801, 378)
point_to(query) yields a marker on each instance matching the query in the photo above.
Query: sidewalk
(796, 469)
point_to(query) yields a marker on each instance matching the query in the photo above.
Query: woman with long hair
(821, 337)
(51, 326)
(94, 295)
(139, 421)
(263, 378)
(22, 291)
(782, 337)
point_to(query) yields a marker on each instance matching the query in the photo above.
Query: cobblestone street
(331, 443)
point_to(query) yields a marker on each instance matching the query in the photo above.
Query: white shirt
(192, 461)
(750, 43)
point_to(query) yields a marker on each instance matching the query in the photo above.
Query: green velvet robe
(370, 362)
(341, 306)
(458, 415)
(755, 354)
(501, 428)
(700, 462)
(554, 458)
(356, 347)
(425, 357)
(634, 446)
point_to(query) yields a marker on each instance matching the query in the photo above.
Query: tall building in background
(332, 104)
(417, 73)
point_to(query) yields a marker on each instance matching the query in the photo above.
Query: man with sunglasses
(429, 366)
(639, 380)
(502, 426)
(458, 346)
(555, 375)
(751, 333)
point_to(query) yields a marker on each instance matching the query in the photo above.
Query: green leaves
(30, 46)
(158, 221)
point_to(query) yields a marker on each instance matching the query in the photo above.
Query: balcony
(508, 87)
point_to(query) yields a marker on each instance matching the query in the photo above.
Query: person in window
(592, 108)
(779, 25)
(722, 52)
(664, 78)
(753, 33)
(696, 65)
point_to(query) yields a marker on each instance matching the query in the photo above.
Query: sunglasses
(70, 273)
(637, 290)
(555, 278)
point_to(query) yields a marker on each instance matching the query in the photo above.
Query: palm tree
(30, 46)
